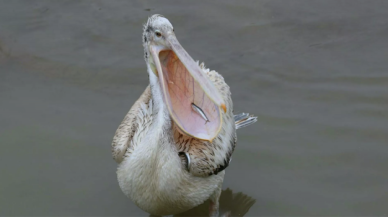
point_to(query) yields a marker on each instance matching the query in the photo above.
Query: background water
(315, 72)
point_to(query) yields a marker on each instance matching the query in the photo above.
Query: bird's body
(168, 164)
(153, 175)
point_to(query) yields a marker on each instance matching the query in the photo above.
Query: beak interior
(191, 109)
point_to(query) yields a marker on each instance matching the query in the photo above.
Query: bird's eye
(158, 34)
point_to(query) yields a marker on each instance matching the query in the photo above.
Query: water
(314, 72)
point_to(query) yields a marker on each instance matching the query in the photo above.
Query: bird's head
(194, 103)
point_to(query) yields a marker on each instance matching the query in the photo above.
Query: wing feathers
(244, 120)
(129, 125)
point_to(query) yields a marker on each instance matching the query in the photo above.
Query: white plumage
(148, 143)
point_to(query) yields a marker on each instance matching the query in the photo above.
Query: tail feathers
(244, 119)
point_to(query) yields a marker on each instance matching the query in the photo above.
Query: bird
(175, 142)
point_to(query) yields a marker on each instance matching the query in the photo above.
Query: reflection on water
(231, 204)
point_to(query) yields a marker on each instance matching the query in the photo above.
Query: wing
(244, 120)
(208, 158)
(127, 129)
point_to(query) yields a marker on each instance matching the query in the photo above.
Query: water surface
(314, 72)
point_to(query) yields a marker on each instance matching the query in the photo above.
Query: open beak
(192, 100)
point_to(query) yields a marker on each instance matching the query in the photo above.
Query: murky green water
(315, 72)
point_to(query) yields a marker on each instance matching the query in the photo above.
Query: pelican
(174, 144)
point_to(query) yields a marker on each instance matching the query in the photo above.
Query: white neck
(159, 108)
(161, 117)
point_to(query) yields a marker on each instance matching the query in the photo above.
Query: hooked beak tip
(223, 107)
